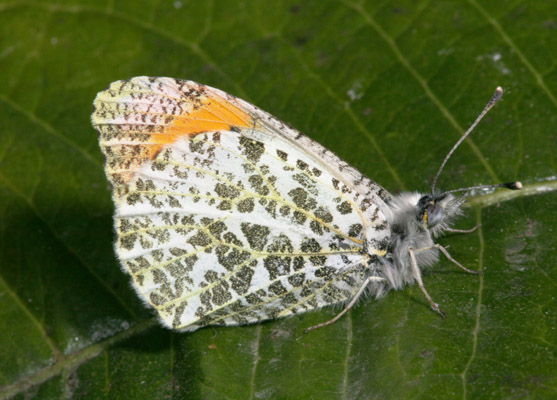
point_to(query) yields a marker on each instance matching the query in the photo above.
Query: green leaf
(387, 86)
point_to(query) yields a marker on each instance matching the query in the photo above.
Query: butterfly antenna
(494, 99)
(509, 185)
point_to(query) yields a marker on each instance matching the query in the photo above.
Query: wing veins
(279, 199)
(313, 294)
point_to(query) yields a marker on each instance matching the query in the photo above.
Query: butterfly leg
(463, 230)
(349, 305)
(418, 276)
(450, 258)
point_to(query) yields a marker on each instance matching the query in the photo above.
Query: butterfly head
(435, 212)
(417, 214)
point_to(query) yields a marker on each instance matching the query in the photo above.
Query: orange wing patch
(137, 118)
(212, 114)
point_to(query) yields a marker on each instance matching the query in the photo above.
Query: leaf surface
(387, 86)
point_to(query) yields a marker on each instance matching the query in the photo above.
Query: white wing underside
(237, 226)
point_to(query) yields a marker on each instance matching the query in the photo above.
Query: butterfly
(224, 215)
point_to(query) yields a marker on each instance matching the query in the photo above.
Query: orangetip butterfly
(225, 216)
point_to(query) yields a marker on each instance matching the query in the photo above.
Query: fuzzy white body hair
(409, 232)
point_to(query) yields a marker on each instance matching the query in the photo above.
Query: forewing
(222, 215)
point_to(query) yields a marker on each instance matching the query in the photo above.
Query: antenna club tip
(496, 95)
(513, 185)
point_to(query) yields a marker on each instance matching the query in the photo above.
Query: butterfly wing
(226, 216)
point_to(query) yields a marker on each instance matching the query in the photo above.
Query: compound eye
(434, 215)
